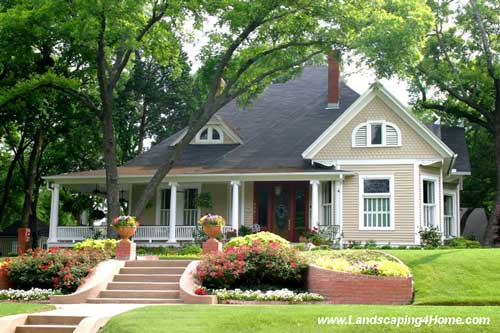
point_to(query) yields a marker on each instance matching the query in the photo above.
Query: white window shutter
(391, 136)
(360, 136)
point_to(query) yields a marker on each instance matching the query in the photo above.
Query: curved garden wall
(351, 288)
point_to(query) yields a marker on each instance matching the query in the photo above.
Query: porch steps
(49, 324)
(145, 282)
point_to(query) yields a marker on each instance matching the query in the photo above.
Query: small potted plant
(125, 226)
(212, 224)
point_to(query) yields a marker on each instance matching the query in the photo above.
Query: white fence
(76, 234)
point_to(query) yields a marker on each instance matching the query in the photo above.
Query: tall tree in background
(256, 42)
(155, 102)
(460, 73)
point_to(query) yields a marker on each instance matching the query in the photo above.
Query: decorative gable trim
(377, 90)
(216, 120)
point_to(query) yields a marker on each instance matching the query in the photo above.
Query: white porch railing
(448, 226)
(429, 216)
(144, 232)
(79, 233)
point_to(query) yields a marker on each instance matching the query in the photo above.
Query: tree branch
(484, 40)
(457, 112)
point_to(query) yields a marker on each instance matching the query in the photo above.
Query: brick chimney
(333, 80)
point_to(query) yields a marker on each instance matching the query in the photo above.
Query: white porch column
(54, 214)
(235, 210)
(339, 187)
(315, 204)
(173, 212)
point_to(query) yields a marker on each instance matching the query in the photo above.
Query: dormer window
(210, 135)
(376, 134)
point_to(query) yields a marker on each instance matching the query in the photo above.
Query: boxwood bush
(263, 237)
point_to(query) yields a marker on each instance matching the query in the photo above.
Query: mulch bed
(46, 301)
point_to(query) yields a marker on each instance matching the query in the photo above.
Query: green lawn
(289, 318)
(7, 309)
(455, 277)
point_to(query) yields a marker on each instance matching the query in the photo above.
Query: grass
(455, 276)
(7, 309)
(288, 318)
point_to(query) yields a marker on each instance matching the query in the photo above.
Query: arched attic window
(210, 135)
(376, 134)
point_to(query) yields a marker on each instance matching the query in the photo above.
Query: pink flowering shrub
(255, 265)
(61, 269)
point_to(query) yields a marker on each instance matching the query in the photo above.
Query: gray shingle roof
(278, 127)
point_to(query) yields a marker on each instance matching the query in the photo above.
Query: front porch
(285, 207)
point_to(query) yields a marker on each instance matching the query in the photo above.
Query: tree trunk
(491, 232)
(31, 178)
(8, 178)
(109, 150)
(34, 220)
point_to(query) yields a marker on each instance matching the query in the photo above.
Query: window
(190, 209)
(449, 215)
(429, 203)
(376, 134)
(165, 207)
(376, 202)
(327, 203)
(210, 135)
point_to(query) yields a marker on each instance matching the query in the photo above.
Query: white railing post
(173, 212)
(315, 204)
(235, 211)
(54, 214)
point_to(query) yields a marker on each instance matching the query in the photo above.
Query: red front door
(282, 207)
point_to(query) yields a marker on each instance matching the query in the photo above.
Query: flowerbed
(282, 295)
(34, 294)
(263, 237)
(253, 266)
(60, 269)
(103, 245)
(363, 262)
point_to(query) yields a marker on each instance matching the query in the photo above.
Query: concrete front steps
(145, 282)
(49, 324)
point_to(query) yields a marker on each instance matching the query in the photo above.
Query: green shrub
(244, 230)
(430, 237)
(370, 244)
(402, 247)
(59, 269)
(321, 248)
(264, 237)
(299, 246)
(190, 249)
(463, 243)
(103, 245)
(352, 244)
(387, 246)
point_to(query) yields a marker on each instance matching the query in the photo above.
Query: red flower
(201, 291)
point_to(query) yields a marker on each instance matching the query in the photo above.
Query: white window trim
(437, 206)
(209, 139)
(361, 197)
(368, 143)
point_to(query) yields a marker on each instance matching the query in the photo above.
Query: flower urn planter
(5, 281)
(126, 232)
(212, 231)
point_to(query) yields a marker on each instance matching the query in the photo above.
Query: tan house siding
(412, 144)
(248, 207)
(404, 221)
(220, 199)
(148, 215)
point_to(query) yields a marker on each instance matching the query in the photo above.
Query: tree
(261, 41)
(252, 44)
(154, 102)
(460, 65)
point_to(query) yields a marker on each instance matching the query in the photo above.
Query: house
(308, 153)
